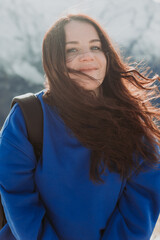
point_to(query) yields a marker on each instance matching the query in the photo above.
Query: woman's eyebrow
(95, 40)
(76, 42)
(72, 42)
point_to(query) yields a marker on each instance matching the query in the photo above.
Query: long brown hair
(120, 125)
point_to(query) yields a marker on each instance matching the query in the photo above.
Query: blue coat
(55, 199)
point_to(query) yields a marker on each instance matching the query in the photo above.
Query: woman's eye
(71, 50)
(96, 48)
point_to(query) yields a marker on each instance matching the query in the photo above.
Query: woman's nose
(86, 56)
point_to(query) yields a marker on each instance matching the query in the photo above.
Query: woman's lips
(88, 69)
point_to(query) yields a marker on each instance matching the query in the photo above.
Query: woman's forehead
(80, 30)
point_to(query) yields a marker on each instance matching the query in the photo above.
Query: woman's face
(84, 53)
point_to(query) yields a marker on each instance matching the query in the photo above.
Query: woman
(98, 177)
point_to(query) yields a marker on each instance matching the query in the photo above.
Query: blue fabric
(55, 199)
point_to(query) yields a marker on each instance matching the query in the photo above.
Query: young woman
(98, 176)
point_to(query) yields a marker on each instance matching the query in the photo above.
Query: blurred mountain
(134, 26)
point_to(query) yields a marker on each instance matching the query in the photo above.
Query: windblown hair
(120, 125)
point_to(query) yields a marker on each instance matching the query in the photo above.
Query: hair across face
(83, 53)
(57, 60)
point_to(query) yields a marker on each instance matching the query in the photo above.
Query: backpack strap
(33, 115)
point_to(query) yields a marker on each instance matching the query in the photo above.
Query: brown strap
(33, 115)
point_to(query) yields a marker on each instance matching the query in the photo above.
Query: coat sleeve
(25, 212)
(138, 208)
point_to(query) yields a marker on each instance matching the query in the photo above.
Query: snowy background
(134, 27)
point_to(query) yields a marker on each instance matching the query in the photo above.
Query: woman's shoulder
(14, 127)
(13, 120)
(15, 116)
(13, 134)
